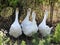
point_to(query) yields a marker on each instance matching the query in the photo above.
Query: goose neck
(33, 18)
(27, 17)
(16, 17)
(45, 17)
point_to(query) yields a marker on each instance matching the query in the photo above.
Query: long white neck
(33, 17)
(27, 17)
(45, 17)
(16, 16)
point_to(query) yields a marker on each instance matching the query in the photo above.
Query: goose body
(28, 26)
(43, 28)
(15, 29)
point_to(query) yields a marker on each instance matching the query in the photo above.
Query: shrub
(45, 41)
(23, 42)
(56, 36)
(13, 2)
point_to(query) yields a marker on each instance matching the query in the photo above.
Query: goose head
(29, 10)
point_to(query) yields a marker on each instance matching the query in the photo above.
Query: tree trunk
(51, 11)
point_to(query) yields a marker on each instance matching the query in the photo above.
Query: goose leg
(18, 41)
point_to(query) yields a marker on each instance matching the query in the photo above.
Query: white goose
(43, 28)
(27, 26)
(15, 29)
(35, 28)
